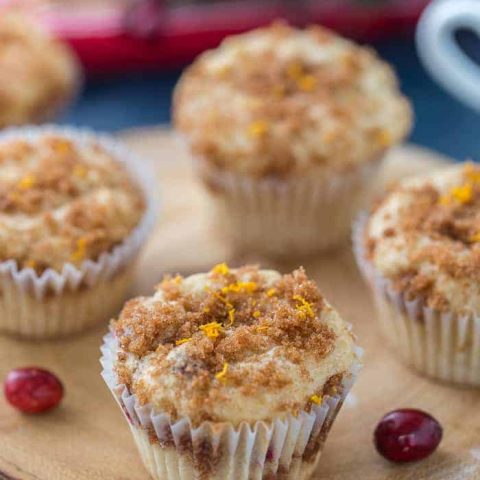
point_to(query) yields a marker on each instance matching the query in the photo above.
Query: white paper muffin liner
(30, 297)
(441, 345)
(287, 448)
(296, 216)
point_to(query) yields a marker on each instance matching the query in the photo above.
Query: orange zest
(462, 194)
(80, 251)
(223, 373)
(221, 269)
(475, 238)
(262, 328)
(258, 128)
(231, 317)
(472, 172)
(212, 329)
(28, 181)
(238, 287)
(304, 307)
(307, 83)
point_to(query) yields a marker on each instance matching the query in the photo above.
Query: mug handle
(441, 54)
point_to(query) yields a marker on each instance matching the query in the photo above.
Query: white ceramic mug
(441, 54)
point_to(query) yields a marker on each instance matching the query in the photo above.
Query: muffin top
(38, 73)
(63, 202)
(425, 237)
(278, 100)
(233, 345)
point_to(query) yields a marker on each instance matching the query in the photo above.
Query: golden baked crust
(63, 202)
(38, 73)
(279, 100)
(232, 345)
(425, 236)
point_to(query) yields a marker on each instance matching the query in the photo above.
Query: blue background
(144, 99)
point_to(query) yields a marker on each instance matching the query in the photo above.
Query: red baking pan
(125, 36)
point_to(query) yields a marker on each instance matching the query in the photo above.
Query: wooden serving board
(87, 438)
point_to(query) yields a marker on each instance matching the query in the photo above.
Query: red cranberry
(33, 390)
(407, 435)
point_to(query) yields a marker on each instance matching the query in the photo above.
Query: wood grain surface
(87, 437)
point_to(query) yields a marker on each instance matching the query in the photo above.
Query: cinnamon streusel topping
(425, 236)
(279, 100)
(232, 345)
(63, 202)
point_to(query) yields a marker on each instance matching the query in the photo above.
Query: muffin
(39, 74)
(233, 374)
(73, 215)
(289, 128)
(420, 251)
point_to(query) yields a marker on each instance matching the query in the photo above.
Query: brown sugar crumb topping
(61, 203)
(417, 285)
(293, 77)
(451, 222)
(297, 96)
(289, 316)
(225, 329)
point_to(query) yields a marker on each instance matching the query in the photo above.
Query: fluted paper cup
(287, 448)
(288, 217)
(58, 303)
(442, 345)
